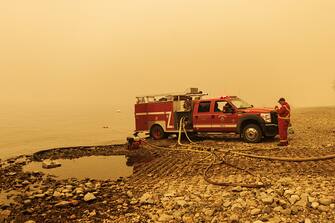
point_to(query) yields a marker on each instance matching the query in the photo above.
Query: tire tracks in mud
(176, 164)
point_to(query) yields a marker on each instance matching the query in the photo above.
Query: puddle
(93, 167)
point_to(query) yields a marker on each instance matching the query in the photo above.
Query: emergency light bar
(191, 92)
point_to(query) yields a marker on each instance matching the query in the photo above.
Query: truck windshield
(240, 104)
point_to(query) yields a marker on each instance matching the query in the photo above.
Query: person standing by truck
(284, 118)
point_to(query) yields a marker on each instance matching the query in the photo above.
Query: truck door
(202, 117)
(224, 118)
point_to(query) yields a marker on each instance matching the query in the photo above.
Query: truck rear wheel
(252, 133)
(157, 132)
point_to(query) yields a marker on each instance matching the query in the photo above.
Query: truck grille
(274, 117)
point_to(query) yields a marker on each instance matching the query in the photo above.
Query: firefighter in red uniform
(284, 116)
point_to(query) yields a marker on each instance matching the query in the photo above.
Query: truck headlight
(266, 117)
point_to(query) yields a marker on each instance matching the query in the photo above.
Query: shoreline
(150, 187)
(167, 185)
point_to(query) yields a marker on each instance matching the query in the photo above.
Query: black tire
(157, 132)
(252, 133)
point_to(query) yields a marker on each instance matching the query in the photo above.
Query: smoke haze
(99, 53)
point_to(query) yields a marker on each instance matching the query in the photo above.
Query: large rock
(267, 200)
(311, 199)
(26, 182)
(89, 185)
(188, 219)
(74, 202)
(68, 195)
(282, 203)
(153, 217)
(5, 214)
(89, 197)
(130, 194)
(288, 193)
(323, 208)
(325, 201)
(170, 194)
(307, 220)
(286, 211)
(69, 187)
(39, 195)
(303, 201)
(28, 201)
(181, 203)
(279, 209)
(147, 198)
(133, 201)
(315, 205)
(227, 204)
(79, 190)
(177, 215)
(57, 194)
(165, 218)
(255, 211)
(11, 174)
(63, 204)
(237, 207)
(267, 210)
(285, 181)
(66, 191)
(234, 218)
(237, 189)
(294, 198)
(49, 164)
(251, 203)
(208, 212)
(295, 210)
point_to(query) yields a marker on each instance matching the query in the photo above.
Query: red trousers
(283, 125)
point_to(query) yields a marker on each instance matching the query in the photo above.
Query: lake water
(26, 130)
(93, 167)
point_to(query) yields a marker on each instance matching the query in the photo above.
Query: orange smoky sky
(107, 52)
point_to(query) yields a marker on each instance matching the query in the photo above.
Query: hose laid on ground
(215, 160)
(218, 161)
(222, 183)
(213, 163)
(286, 159)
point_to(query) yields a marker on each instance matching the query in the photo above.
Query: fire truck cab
(160, 115)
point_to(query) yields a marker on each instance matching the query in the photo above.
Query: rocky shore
(168, 185)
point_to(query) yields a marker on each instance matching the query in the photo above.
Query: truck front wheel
(252, 133)
(157, 132)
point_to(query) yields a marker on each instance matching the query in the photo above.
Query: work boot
(283, 144)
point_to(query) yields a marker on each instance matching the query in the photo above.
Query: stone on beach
(89, 197)
(50, 164)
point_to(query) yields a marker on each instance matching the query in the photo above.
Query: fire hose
(193, 147)
(286, 159)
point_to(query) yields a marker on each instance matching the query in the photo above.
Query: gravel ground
(168, 185)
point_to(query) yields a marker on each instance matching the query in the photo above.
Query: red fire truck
(160, 115)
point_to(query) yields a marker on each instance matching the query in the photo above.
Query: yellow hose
(218, 161)
(286, 159)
